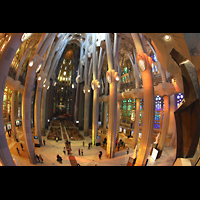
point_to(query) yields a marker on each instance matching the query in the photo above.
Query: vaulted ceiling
(162, 47)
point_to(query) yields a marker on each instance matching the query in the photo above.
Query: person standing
(118, 145)
(100, 154)
(44, 142)
(37, 157)
(22, 146)
(82, 152)
(127, 150)
(79, 152)
(17, 150)
(64, 150)
(41, 159)
(68, 151)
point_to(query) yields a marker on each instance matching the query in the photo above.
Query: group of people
(119, 144)
(21, 147)
(89, 145)
(39, 158)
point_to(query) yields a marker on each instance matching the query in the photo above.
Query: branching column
(137, 101)
(43, 102)
(16, 87)
(112, 79)
(165, 124)
(87, 92)
(5, 62)
(37, 108)
(112, 113)
(144, 63)
(34, 63)
(95, 87)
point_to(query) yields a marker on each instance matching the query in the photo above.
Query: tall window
(179, 98)
(155, 68)
(141, 112)
(7, 102)
(127, 110)
(158, 112)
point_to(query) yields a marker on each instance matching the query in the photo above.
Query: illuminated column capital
(41, 77)
(112, 76)
(46, 85)
(35, 63)
(144, 61)
(86, 89)
(95, 84)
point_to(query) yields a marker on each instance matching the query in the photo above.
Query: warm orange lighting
(69, 55)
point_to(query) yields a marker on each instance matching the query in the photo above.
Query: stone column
(87, 90)
(112, 113)
(118, 118)
(16, 86)
(112, 78)
(43, 107)
(95, 86)
(76, 106)
(165, 124)
(137, 119)
(5, 62)
(144, 63)
(37, 108)
(172, 122)
(33, 65)
(105, 116)
(105, 108)
(81, 106)
(137, 101)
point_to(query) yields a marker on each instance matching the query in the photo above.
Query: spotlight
(167, 37)
(31, 63)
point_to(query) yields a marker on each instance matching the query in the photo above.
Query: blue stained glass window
(179, 98)
(155, 58)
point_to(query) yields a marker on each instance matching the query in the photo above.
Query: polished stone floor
(90, 156)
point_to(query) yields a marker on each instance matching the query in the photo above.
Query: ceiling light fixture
(167, 37)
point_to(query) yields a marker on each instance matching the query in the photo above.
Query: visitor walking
(41, 159)
(59, 158)
(68, 151)
(22, 146)
(83, 144)
(100, 154)
(64, 150)
(127, 150)
(17, 150)
(38, 158)
(79, 152)
(118, 145)
(44, 142)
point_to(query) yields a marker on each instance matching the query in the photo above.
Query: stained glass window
(127, 106)
(179, 98)
(7, 102)
(141, 112)
(158, 112)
